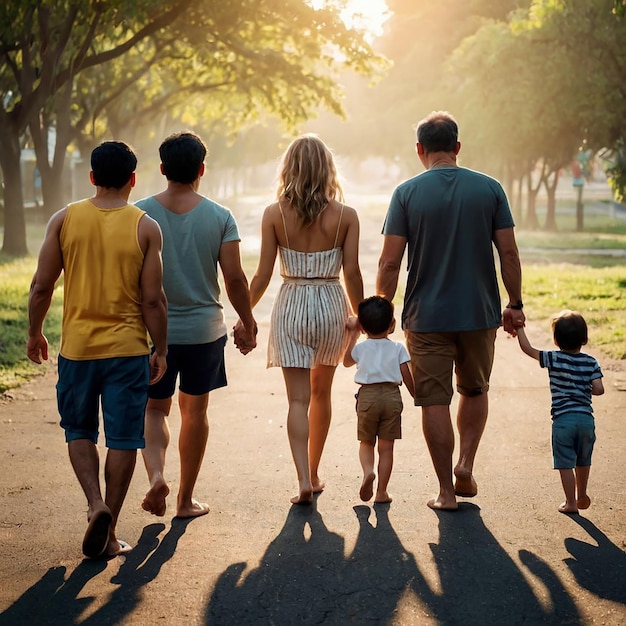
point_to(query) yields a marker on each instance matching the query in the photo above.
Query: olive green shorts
(379, 412)
(435, 356)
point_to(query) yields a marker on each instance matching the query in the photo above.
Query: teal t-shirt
(191, 248)
(448, 216)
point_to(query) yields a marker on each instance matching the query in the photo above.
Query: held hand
(158, 365)
(352, 324)
(512, 319)
(245, 340)
(37, 348)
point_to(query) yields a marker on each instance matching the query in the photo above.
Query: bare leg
(157, 435)
(320, 412)
(118, 471)
(85, 460)
(194, 434)
(471, 420)
(366, 456)
(298, 384)
(439, 435)
(569, 487)
(582, 478)
(385, 465)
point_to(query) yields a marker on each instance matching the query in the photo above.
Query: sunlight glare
(364, 15)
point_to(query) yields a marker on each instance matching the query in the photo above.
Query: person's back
(102, 314)
(449, 215)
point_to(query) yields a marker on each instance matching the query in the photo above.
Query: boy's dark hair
(112, 164)
(570, 330)
(375, 315)
(182, 156)
(438, 132)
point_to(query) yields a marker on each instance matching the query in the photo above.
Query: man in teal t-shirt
(198, 235)
(450, 218)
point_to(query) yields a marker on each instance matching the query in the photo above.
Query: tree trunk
(531, 222)
(551, 210)
(14, 242)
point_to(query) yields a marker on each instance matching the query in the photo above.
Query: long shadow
(481, 584)
(600, 568)
(54, 601)
(306, 579)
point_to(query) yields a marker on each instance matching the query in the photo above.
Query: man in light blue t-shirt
(198, 234)
(450, 218)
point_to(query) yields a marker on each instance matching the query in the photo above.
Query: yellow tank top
(102, 263)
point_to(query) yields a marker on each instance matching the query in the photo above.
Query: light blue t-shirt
(448, 216)
(191, 248)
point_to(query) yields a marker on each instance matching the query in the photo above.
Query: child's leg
(569, 487)
(366, 456)
(385, 465)
(582, 478)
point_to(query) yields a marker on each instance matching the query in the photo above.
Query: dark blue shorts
(573, 436)
(201, 368)
(120, 384)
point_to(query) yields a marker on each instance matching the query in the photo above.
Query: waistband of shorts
(380, 385)
(292, 280)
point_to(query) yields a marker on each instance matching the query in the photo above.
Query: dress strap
(338, 227)
(284, 223)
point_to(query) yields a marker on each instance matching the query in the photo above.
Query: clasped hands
(245, 340)
(512, 319)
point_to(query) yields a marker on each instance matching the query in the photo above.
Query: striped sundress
(308, 323)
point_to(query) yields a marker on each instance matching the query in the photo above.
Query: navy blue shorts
(120, 384)
(201, 368)
(573, 436)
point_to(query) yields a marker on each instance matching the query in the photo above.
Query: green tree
(79, 67)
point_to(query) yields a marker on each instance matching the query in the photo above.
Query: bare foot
(464, 486)
(568, 508)
(441, 504)
(117, 547)
(154, 502)
(194, 509)
(382, 497)
(305, 497)
(97, 534)
(318, 485)
(367, 487)
(584, 502)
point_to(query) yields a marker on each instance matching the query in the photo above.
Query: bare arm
(49, 268)
(351, 269)
(597, 388)
(355, 331)
(267, 259)
(407, 378)
(524, 344)
(236, 285)
(511, 270)
(389, 266)
(153, 300)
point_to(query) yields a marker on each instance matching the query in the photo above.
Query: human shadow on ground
(600, 568)
(54, 601)
(480, 582)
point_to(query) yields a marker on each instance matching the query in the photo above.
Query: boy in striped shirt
(574, 378)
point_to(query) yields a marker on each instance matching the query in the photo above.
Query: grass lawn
(593, 284)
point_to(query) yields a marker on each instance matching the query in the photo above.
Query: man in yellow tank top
(110, 254)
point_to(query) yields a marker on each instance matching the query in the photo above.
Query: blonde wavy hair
(307, 177)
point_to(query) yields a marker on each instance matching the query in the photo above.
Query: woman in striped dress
(316, 236)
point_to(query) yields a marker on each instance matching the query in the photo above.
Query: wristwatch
(518, 306)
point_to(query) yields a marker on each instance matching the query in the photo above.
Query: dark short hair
(569, 330)
(182, 156)
(112, 164)
(375, 315)
(438, 132)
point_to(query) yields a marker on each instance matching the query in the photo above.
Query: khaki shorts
(435, 355)
(379, 412)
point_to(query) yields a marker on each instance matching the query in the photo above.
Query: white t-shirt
(378, 361)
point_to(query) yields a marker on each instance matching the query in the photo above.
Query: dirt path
(507, 556)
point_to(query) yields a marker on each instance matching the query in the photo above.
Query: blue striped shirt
(570, 380)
